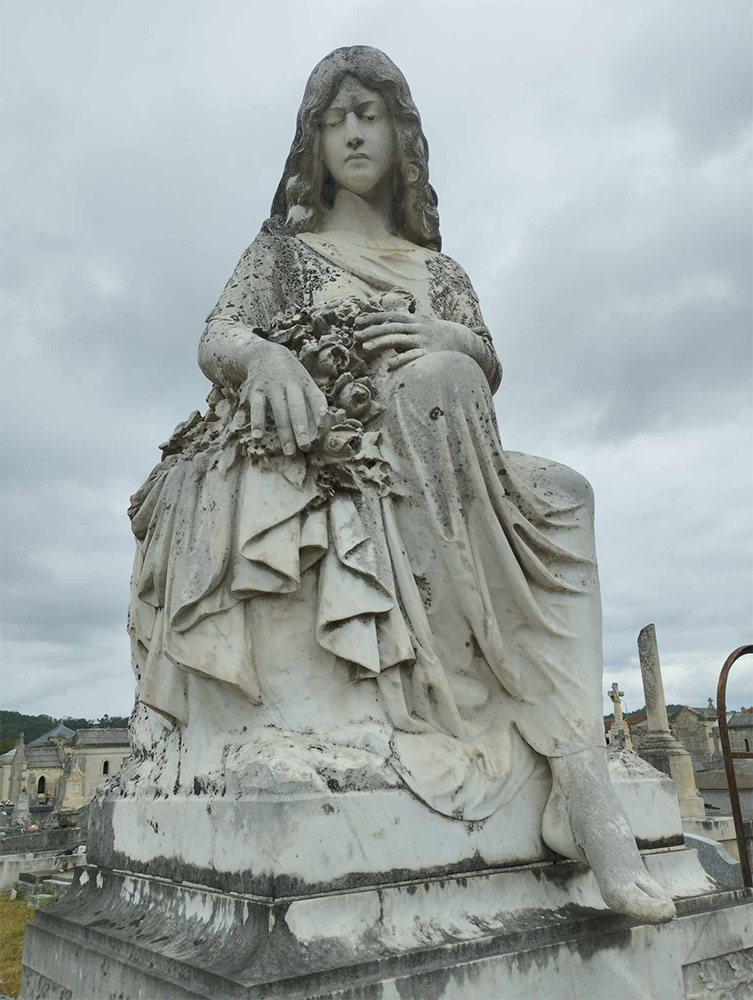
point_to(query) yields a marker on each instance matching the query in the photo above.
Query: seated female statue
(340, 546)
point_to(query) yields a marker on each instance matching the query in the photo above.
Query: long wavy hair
(307, 190)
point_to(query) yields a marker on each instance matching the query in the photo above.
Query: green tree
(32, 726)
(13, 723)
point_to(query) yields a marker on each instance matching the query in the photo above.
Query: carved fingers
(399, 331)
(403, 359)
(398, 340)
(278, 385)
(299, 417)
(366, 320)
(257, 406)
(409, 334)
(281, 415)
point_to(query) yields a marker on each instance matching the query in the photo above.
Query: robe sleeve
(254, 292)
(264, 283)
(456, 300)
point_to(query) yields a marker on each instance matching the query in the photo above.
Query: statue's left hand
(411, 336)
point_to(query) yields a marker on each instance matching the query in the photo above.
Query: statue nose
(354, 135)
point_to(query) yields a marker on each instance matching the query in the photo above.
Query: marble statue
(338, 561)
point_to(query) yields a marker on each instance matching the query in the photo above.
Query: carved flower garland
(345, 455)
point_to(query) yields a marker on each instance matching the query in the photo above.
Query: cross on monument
(615, 694)
(619, 734)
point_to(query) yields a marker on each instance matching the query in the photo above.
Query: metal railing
(730, 756)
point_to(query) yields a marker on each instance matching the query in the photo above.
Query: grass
(14, 914)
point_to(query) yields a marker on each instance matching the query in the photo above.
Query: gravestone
(659, 747)
(619, 734)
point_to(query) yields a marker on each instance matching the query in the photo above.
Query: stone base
(722, 830)
(14, 865)
(35, 841)
(717, 863)
(537, 930)
(665, 753)
(298, 844)
(367, 894)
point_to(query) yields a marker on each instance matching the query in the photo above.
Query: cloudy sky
(593, 166)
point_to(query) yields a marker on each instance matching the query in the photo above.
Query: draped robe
(459, 615)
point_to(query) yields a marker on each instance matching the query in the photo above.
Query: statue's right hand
(276, 379)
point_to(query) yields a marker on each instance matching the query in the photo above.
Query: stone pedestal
(288, 844)
(536, 930)
(663, 752)
(369, 894)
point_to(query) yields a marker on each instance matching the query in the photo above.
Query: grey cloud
(691, 65)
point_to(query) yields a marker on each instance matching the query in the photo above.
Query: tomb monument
(368, 749)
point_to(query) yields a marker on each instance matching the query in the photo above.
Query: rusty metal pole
(729, 761)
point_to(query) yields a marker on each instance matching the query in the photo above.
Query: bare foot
(584, 820)
(641, 898)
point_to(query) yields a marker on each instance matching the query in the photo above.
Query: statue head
(308, 187)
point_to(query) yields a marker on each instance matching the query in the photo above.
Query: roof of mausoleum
(49, 756)
(59, 730)
(741, 720)
(703, 713)
(101, 738)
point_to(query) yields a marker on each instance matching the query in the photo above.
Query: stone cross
(619, 734)
(615, 694)
(653, 686)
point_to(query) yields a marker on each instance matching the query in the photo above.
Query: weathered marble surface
(292, 840)
(530, 931)
(722, 866)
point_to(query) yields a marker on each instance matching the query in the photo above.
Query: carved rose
(356, 397)
(347, 310)
(289, 329)
(343, 441)
(323, 341)
(184, 435)
(326, 358)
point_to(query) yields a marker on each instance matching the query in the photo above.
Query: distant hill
(32, 726)
(642, 711)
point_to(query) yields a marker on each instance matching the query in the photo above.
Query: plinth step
(533, 930)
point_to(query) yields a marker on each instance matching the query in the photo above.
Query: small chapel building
(83, 758)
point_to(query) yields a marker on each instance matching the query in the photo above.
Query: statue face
(357, 137)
